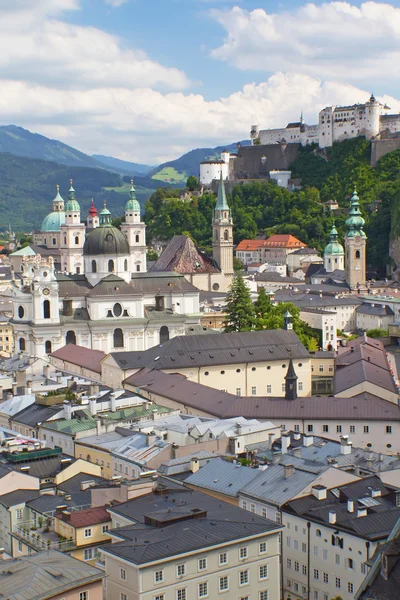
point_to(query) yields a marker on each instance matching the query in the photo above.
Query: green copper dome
(72, 204)
(355, 222)
(334, 247)
(132, 204)
(53, 222)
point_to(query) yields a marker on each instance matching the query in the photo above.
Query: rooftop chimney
(319, 492)
(93, 406)
(46, 371)
(362, 512)
(285, 441)
(376, 493)
(67, 410)
(94, 389)
(194, 464)
(288, 471)
(332, 517)
(308, 440)
(345, 445)
(350, 506)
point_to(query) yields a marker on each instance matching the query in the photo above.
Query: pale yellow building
(85, 529)
(6, 337)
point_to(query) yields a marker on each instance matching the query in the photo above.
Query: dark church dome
(105, 240)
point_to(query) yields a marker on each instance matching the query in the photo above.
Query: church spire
(71, 191)
(222, 203)
(355, 221)
(291, 383)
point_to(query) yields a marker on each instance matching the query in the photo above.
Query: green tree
(240, 309)
(151, 254)
(238, 265)
(192, 183)
(377, 333)
(262, 308)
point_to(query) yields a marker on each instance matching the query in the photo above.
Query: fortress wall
(381, 147)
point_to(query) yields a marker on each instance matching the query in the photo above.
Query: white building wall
(308, 555)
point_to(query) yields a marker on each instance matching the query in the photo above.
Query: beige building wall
(367, 386)
(245, 379)
(79, 466)
(97, 456)
(322, 367)
(140, 584)
(320, 558)
(14, 480)
(94, 592)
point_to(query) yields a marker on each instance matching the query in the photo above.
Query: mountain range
(31, 165)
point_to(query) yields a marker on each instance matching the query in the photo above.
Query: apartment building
(330, 537)
(177, 544)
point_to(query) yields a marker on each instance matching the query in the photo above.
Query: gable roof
(45, 575)
(181, 255)
(80, 356)
(224, 348)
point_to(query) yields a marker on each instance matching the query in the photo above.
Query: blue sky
(147, 80)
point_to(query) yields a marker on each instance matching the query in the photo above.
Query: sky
(147, 80)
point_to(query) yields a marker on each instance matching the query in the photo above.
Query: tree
(151, 254)
(240, 309)
(192, 183)
(262, 308)
(238, 265)
(377, 333)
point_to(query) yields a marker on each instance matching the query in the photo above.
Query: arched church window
(65, 240)
(47, 347)
(164, 334)
(21, 312)
(111, 267)
(137, 238)
(77, 239)
(46, 309)
(94, 266)
(118, 338)
(70, 337)
(54, 241)
(226, 235)
(357, 254)
(126, 264)
(22, 345)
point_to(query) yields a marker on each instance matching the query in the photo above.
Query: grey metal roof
(18, 497)
(45, 575)
(165, 283)
(225, 348)
(48, 503)
(380, 310)
(223, 477)
(144, 543)
(112, 285)
(316, 300)
(272, 487)
(73, 485)
(382, 512)
(180, 465)
(36, 413)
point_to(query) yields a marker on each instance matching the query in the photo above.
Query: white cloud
(146, 125)
(115, 3)
(36, 46)
(335, 40)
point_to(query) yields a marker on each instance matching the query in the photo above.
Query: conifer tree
(240, 309)
(262, 307)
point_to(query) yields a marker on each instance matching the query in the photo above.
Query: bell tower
(222, 226)
(356, 246)
(135, 232)
(72, 235)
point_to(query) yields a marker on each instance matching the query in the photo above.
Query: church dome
(72, 204)
(105, 240)
(132, 204)
(53, 221)
(334, 247)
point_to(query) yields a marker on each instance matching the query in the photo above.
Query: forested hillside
(28, 187)
(262, 206)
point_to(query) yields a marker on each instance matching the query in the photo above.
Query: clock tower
(222, 226)
(356, 246)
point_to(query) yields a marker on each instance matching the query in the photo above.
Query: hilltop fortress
(335, 124)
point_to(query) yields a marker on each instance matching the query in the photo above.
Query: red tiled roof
(278, 240)
(80, 356)
(83, 518)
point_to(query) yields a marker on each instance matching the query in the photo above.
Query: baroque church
(89, 285)
(346, 265)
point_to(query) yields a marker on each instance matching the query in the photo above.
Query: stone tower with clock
(356, 246)
(222, 227)
(36, 316)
